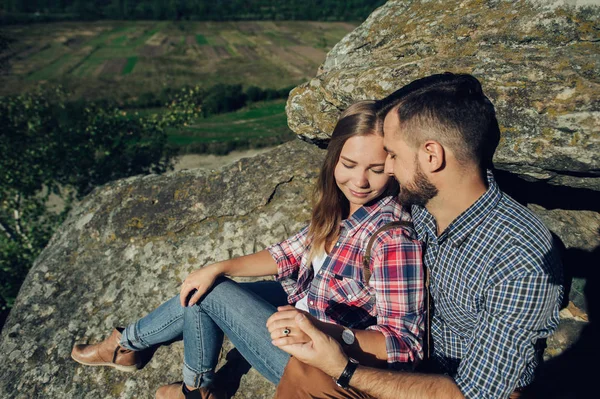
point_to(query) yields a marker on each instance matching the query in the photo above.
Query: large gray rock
(129, 244)
(126, 249)
(539, 62)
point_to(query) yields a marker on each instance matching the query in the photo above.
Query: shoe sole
(119, 367)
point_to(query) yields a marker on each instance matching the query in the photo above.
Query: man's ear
(434, 156)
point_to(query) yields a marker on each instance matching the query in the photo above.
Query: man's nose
(388, 168)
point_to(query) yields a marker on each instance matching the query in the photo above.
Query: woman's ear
(433, 155)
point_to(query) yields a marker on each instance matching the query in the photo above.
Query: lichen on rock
(539, 62)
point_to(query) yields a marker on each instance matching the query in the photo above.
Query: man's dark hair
(448, 108)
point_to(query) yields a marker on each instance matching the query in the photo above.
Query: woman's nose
(361, 180)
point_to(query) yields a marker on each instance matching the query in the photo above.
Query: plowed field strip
(315, 55)
(113, 67)
(221, 51)
(249, 27)
(30, 51)
(248, 52)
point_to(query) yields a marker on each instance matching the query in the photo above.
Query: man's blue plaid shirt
(495, 280)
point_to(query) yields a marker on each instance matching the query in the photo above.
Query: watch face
(348, 336)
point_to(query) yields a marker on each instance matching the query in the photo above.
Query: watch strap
(344, 380)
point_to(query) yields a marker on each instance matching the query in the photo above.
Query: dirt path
(193, 161)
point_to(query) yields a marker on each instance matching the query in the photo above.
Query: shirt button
(350, 296)
(337, 244)
(312, 302)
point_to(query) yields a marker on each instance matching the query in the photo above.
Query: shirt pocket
(348, 291)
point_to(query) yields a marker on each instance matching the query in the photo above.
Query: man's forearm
(384, 384)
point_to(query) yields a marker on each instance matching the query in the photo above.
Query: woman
(319, 270)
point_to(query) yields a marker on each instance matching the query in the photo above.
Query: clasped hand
(285, 319)
(199, 281)
(320, 350)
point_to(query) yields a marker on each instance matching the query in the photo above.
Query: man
(495, 276)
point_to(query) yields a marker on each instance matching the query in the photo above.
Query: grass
(131, 61)
(119, 40)
(145, 36)
(201, 40)
(259, 110)
(114, 52)
(51, 70)
(261, 120)
(88, 67)
(278, 39)
(105, 35)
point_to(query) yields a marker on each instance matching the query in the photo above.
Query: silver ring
(286, 331)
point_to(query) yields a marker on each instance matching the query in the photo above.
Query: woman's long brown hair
(330, 205)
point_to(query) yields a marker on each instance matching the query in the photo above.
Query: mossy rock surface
(539, 62)
(126, 249)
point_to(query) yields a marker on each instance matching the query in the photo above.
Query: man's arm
(520, 307)
(325, 353)
(385, 384)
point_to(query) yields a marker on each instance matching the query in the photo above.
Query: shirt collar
(362, 214)
(466, 222)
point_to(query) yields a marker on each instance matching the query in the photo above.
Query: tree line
(50, 145)
(201, 10)
(216, 99)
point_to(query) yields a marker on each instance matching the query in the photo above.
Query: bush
(47, 143)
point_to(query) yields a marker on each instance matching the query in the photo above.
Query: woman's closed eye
(348, 166)
(377, 171)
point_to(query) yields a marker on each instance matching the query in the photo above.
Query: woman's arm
(255, 265)
(399, 285)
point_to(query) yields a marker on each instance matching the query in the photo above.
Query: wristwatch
(344, 380)
(348, 336)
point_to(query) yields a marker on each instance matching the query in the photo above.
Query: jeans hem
(197, 379)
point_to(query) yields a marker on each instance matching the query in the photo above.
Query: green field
(262, 122)
(131, 61)
(201, 40)
(124, 59)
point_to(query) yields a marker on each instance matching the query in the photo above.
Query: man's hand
(285, 318)
(321, 351)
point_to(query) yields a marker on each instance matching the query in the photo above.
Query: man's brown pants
(301, 381)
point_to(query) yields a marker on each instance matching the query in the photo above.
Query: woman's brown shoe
(107, 353)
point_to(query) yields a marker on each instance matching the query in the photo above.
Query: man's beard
(419, 192)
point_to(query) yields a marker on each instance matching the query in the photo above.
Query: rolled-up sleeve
(398, 281)
(288, 254)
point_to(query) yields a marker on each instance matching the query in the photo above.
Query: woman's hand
(199, 281)
(321, 351)
(285, 319)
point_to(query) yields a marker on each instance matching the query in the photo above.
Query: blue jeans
(240, 310)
